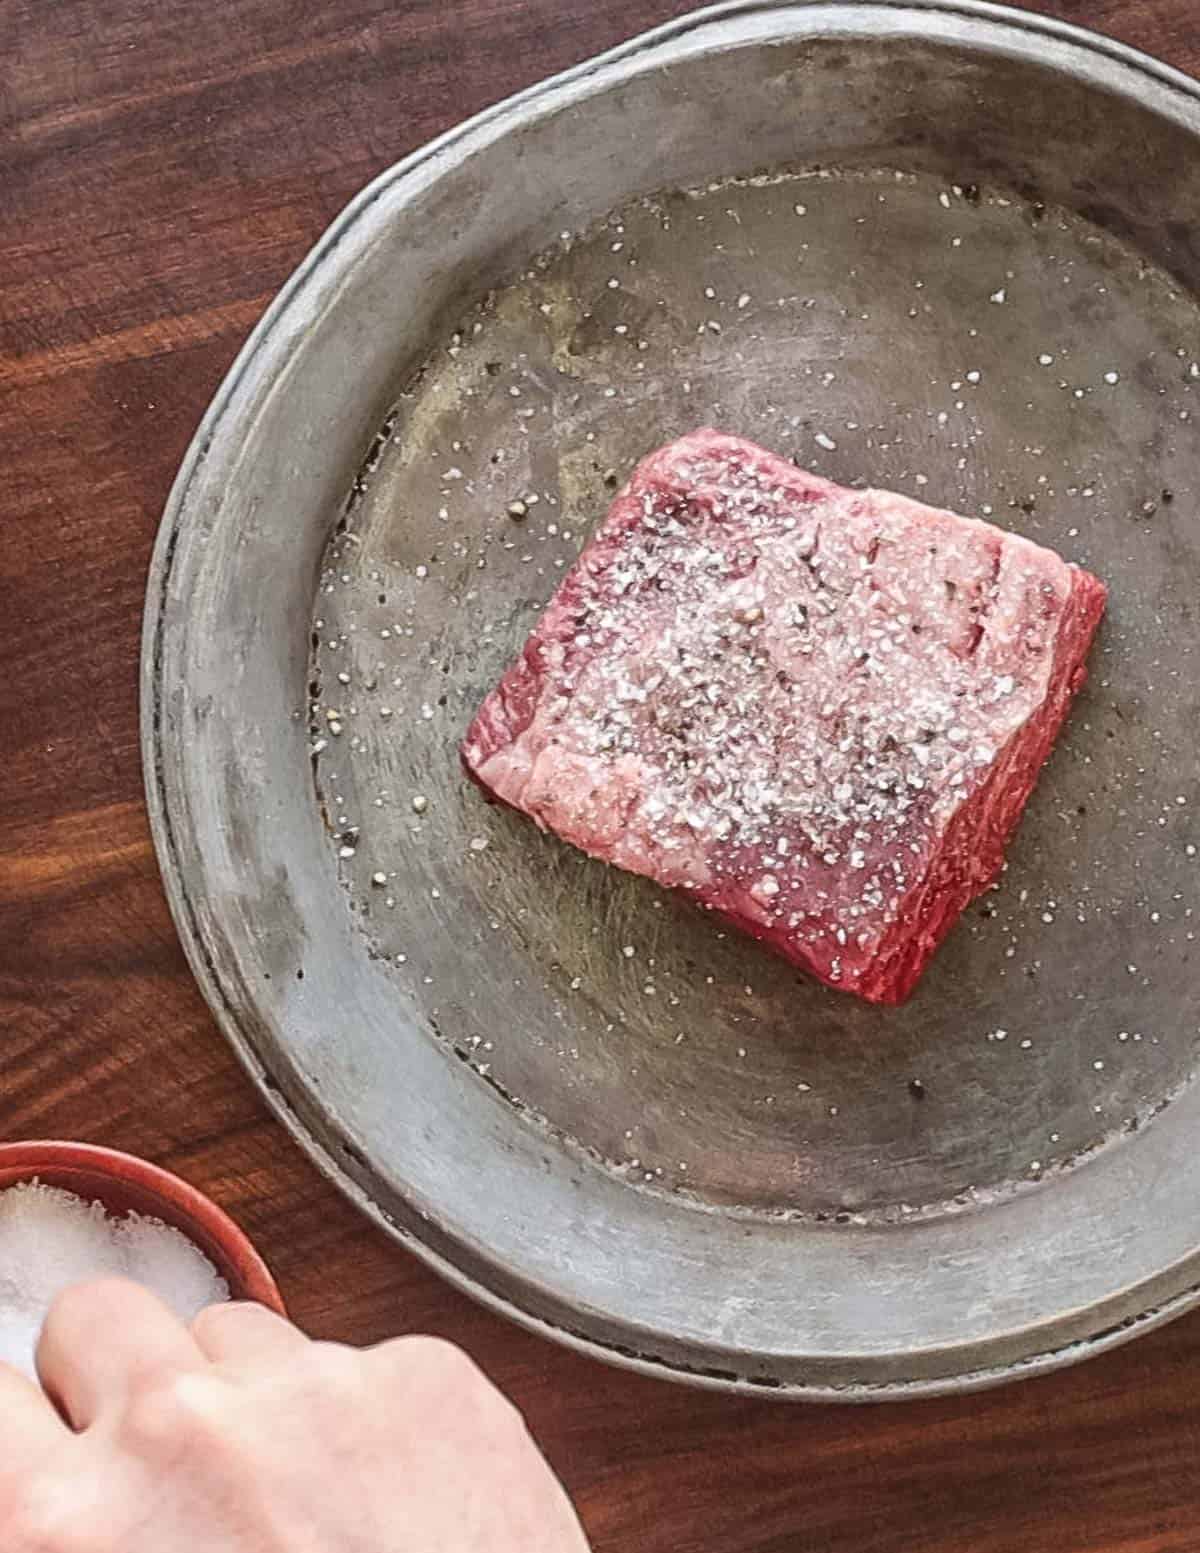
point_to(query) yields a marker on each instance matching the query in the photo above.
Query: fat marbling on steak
(817, 711)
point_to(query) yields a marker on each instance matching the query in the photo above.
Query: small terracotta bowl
(124, 1183)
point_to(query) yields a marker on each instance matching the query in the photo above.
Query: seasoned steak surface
(817, 711)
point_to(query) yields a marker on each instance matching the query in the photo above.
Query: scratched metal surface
(963, 289)
(908, 325)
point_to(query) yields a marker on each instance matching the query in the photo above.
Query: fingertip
(31, 1426)
(106, 1293)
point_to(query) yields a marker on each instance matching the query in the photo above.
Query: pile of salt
(50, 1239)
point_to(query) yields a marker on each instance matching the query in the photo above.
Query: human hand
(240, 1435)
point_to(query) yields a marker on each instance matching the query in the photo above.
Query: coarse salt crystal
(51, 1239)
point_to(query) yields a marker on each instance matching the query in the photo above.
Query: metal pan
(941, 247)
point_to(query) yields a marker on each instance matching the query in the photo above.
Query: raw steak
(817, 711)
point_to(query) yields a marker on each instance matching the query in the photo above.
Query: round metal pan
(942, 247)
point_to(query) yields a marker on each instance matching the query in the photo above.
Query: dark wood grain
(163, 166)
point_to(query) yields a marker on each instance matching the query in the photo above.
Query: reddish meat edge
(971, 855)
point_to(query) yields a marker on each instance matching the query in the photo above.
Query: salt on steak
(817, 711)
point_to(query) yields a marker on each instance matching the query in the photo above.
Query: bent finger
(242, 1333)
(101, 1339)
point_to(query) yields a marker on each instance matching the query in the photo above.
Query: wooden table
(163, 166)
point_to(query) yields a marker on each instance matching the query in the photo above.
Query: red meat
(817, 711)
